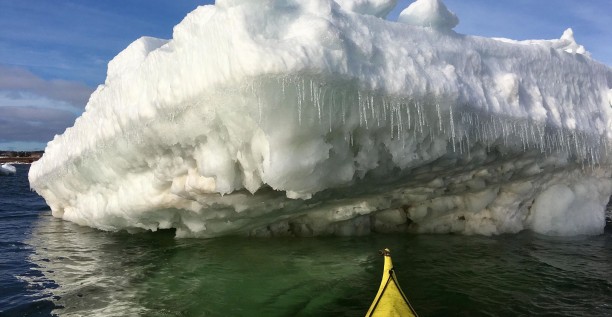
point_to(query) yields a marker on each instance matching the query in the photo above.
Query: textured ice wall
(306, 118)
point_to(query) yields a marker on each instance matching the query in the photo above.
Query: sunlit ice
(321, 118)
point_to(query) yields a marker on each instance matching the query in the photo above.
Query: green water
(87, 272)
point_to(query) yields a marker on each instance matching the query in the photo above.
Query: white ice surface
(7, 169)
(309, 117)
(378, 8)
(566, 43)
(429, 13)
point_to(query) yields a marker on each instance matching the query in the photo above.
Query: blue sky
(53, 53)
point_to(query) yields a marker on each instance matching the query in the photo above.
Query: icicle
(526, 129)
(467, 141)
(439, 117)
(283, 86)
(505, 134)
(420, 126)
(343, 107)
(384, 109)
(562, 142)
(407, 112)
(424, 118)
(331, 106)
(371, 104)
(392, 125)
(399, 121)
(494, 128)
(378, 116)
(317, 100)
(359, 101)
(576, 143)
(452, 125)
(568, 143)
(299, 97)
(541, 131)
(533, 136)
(311, 90)
(523, 138)
(479, 127)
(365, 112)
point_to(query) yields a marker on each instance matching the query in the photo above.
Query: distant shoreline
(19, 160)
(20, 157)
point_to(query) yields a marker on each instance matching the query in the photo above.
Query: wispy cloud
(16, 79)
(33, 109)
(33, 123)
(53, 52)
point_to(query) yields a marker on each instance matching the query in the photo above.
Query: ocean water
(52, 267)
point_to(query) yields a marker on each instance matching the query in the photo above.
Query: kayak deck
(390, 299)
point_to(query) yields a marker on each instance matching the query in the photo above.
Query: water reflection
(119, 274)
(88, 272)
(90, 275)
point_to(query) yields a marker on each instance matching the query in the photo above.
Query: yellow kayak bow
(390, 300)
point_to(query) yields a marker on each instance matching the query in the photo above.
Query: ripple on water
(155, 274)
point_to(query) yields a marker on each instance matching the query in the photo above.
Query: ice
(566, 43)
(131, 57)
(7, 169)
(563, 209)
(378, 8)
(317, 118)
(429, 13)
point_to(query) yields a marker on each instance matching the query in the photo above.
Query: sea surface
(52, 267)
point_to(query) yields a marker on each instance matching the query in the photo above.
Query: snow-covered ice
(318, 117)
(7, 169)
(429, 13)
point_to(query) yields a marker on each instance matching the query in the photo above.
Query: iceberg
(7, 169)
(317, 117)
